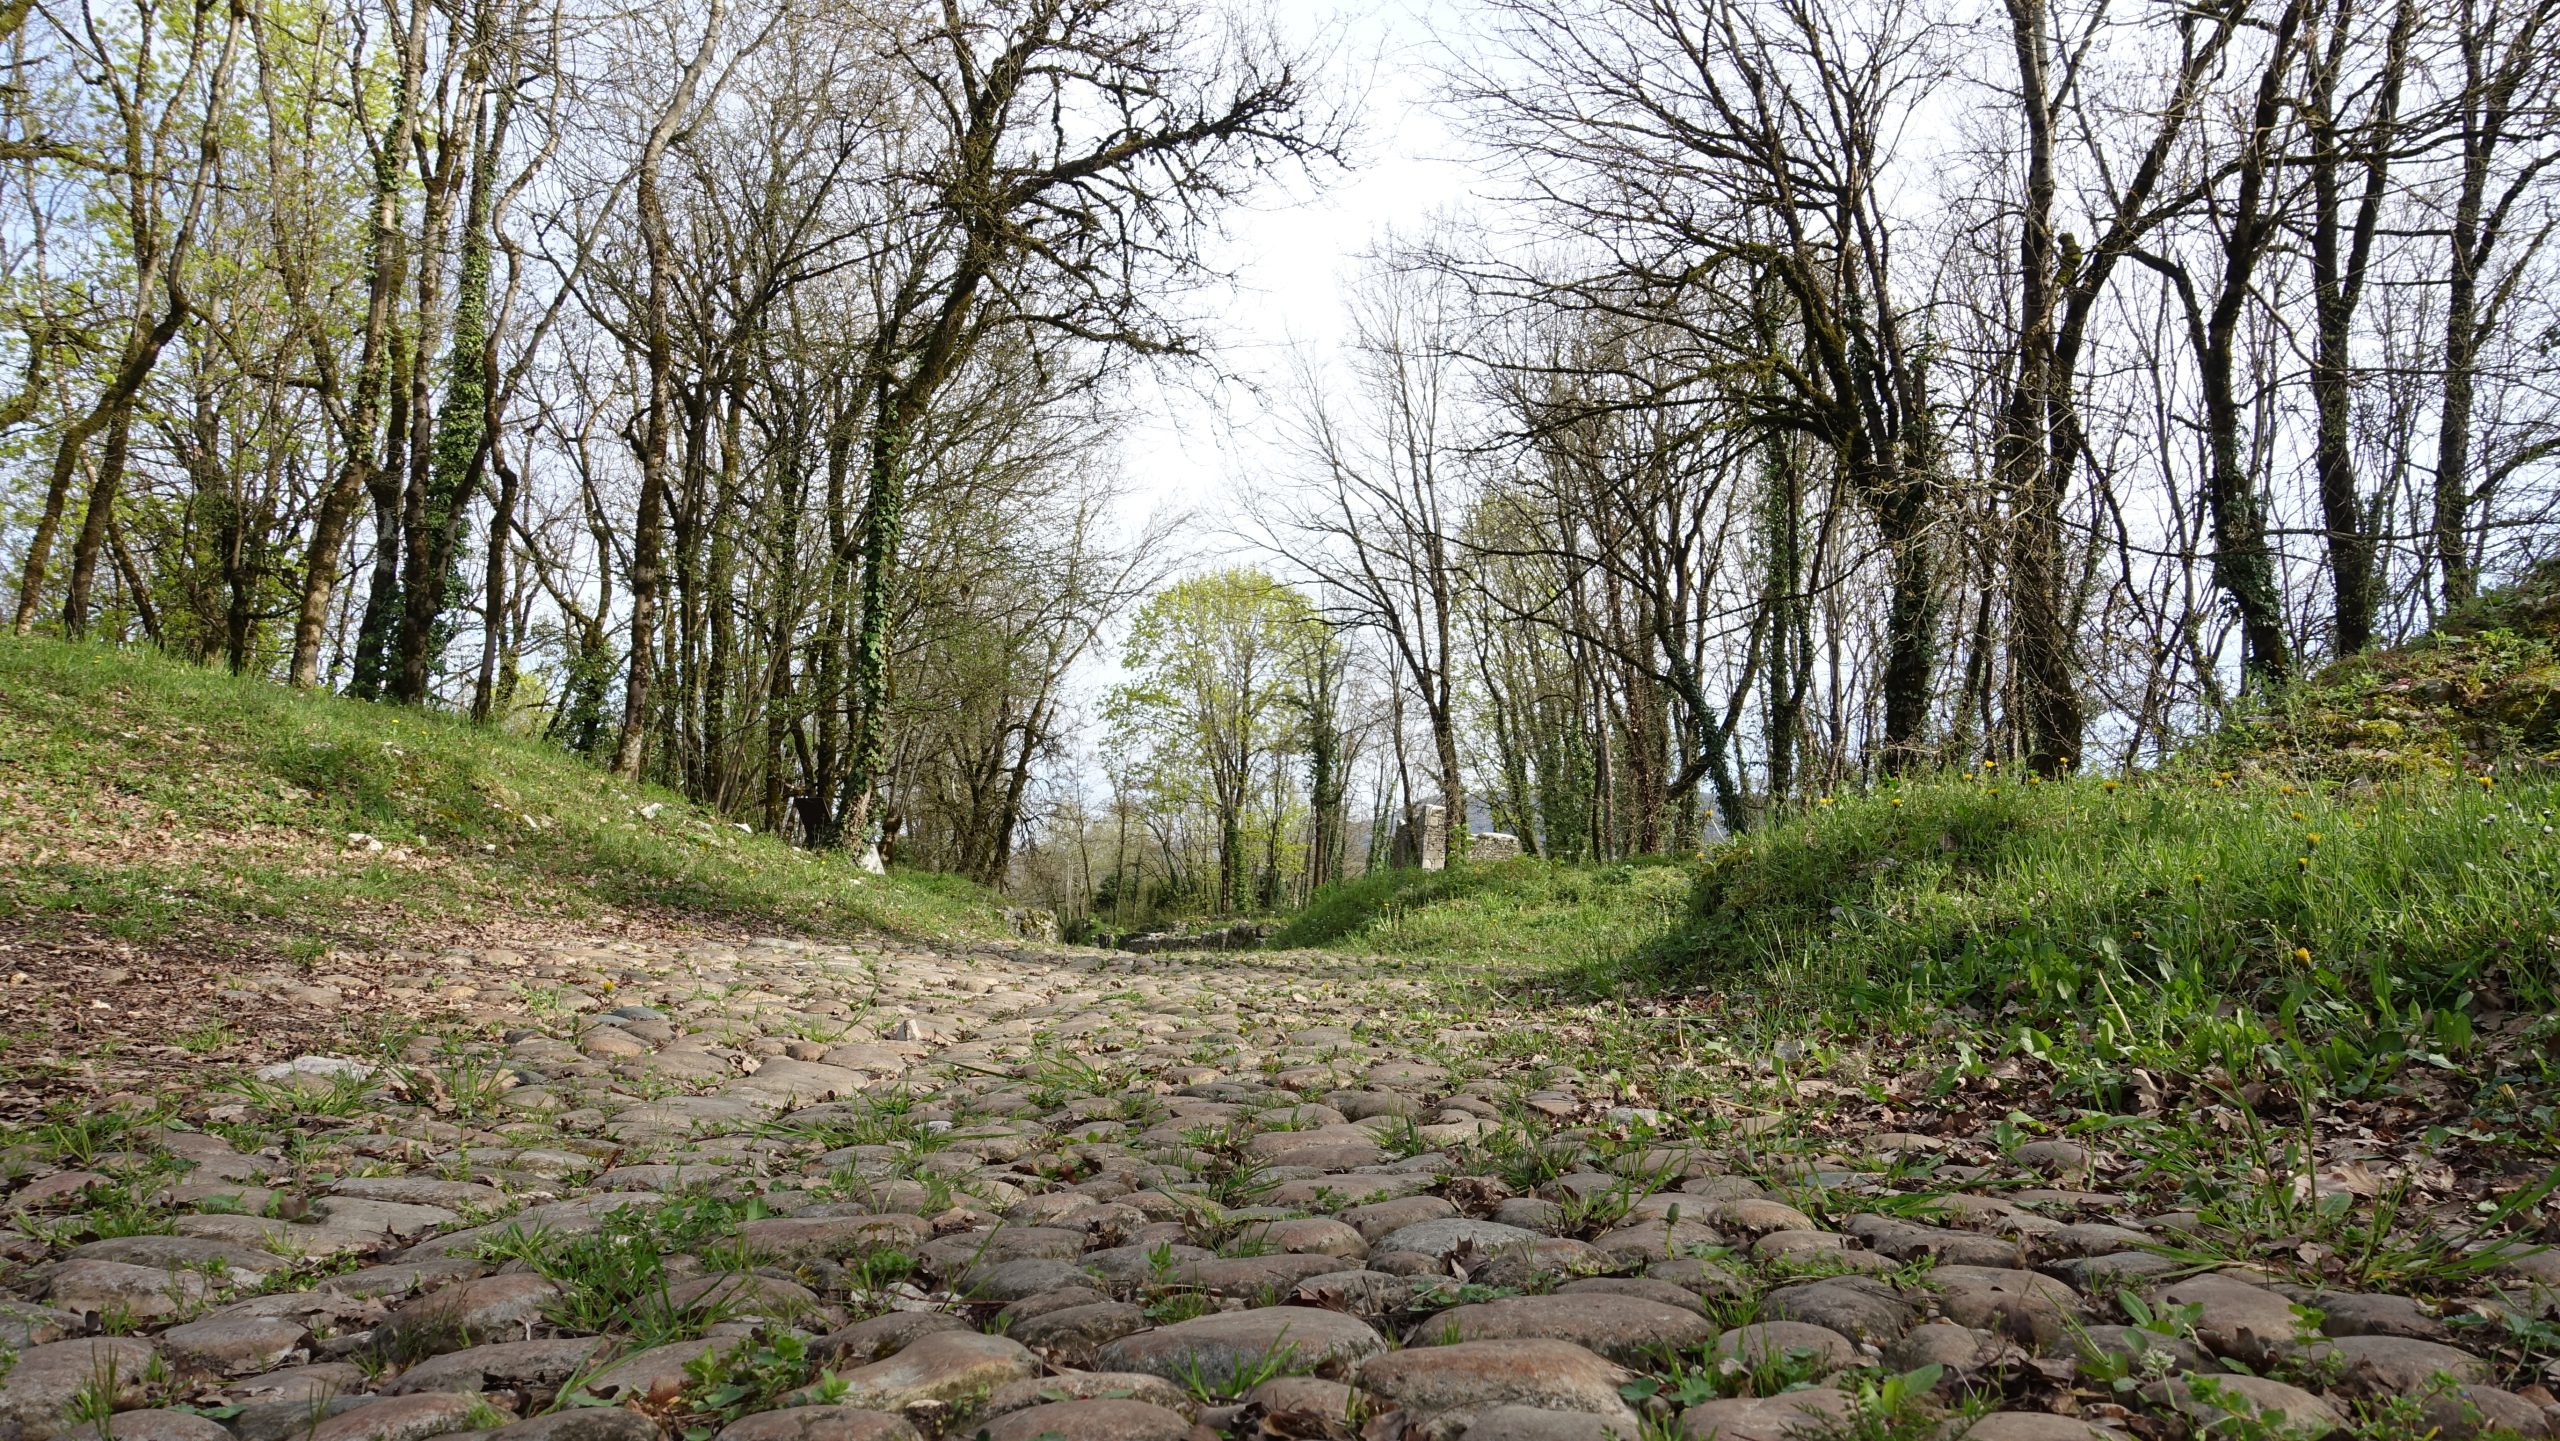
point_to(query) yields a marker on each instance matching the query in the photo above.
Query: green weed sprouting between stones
(1895, 1406)
(757, 1374)
(1214, 1386)
(614, 1281)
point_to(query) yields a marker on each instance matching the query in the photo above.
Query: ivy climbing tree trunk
(385, 260)
(884, 528)
(440, 510)
(648, 568)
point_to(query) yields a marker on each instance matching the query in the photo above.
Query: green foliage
(1543, 913)
(2127, 914)
(1214, 709)
(1691, 1375)
(614, 1279)
(757, 1374)
(342, 1095)
(1213, 1385)
(154, 798)
(2187, 920)
(1891, 1406)
(2222, 1412)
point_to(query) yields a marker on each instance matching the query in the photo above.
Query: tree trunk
(113, 408)
(1911, 619)
(719, 764)
(440, 510)
(138, 590)
(647, 566)
(2243, 563)
(376, 634)
(2337, 274)
(385, 263)
(486, 692)
(104, 483)
(2032, 480)
(884, 527)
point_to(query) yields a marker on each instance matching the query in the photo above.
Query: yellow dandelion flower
(2302, 954)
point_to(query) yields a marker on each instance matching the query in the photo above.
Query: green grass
(614, 1279)
(152, 799)
(2341, 881)
(2188, 918)
(1524, 911)
(1989, 891)
(2483, 686)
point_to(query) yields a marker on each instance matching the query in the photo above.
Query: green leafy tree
(1213, 696)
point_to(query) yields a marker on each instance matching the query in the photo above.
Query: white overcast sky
(1197, 447)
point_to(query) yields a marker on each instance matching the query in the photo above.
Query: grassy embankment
(156, 801)
(2346, 884)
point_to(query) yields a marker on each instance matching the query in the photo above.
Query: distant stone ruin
(1422, 841)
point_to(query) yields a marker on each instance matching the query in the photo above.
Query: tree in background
(724, 390)
(1375, 518)
(1216, 710)
(730, 391)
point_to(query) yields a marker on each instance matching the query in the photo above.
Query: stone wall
(1422, 841)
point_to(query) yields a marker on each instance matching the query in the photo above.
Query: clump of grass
(1686, 1376)
(614, 1280)
(1214, 1385)
(337, 1095)
(238, 785)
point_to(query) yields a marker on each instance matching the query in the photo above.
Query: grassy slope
(2347, 878)
(2188, 920)
(1961, 886)
(157, 800)
(1526, 912)
(2483, 688)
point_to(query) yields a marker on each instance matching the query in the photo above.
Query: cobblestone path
(786, 1192)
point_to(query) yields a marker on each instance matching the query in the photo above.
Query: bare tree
(1377, 520)
(1075, 148)
(2509, 53)
(1725, 165)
